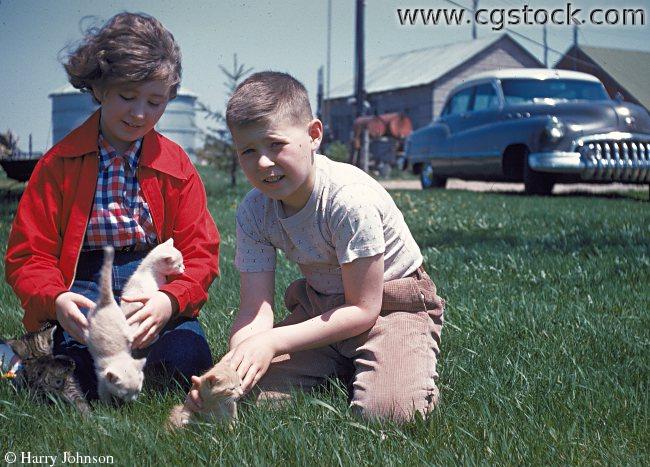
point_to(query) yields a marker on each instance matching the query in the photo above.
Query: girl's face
(129, 111)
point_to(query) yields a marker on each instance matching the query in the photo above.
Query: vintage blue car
(538, 126)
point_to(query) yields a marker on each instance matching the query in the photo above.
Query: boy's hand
(251, 358)
(68, 315)
(152, 317)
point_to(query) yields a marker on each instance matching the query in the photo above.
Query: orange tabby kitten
(219, 388)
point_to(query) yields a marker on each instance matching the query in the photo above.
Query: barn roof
(416, 67)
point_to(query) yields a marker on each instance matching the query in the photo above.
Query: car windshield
(520, 91)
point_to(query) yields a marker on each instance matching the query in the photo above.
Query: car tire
(429, 180)
(536, 183)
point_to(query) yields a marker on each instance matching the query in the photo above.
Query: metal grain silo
(178, 124)
(70, 107)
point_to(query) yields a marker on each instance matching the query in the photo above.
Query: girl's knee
(181, 352)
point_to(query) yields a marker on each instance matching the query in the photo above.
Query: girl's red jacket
(50, 223)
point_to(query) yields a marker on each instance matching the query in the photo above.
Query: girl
(116, 181)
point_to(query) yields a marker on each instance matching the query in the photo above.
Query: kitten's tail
(106, 278)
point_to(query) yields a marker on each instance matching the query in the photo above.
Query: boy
(366, 311)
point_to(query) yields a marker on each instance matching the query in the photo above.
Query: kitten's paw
(178, 418)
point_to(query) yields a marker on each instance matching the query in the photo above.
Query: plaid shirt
(120, 216)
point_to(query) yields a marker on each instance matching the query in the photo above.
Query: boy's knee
(395, 407)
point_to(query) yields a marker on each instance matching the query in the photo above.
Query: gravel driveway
(456, 184)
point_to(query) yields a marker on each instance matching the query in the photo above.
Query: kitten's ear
(211, 379)
(49, 335)
(141, 363)
(110, 376)
(169, 242)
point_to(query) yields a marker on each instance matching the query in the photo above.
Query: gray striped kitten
(46, 376)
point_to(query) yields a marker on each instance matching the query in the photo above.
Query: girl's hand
(151, 318)
(251, 358)
(69, 317)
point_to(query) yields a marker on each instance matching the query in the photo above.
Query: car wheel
(536, 183)
(429, 180)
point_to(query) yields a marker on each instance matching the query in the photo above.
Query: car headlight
(554, 129)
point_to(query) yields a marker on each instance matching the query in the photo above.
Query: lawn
(544, 351)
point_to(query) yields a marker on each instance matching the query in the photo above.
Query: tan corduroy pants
(391, 368)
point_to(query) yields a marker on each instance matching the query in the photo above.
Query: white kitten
(109, 341)
(151, 274)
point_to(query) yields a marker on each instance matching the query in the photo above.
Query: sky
(284, 35)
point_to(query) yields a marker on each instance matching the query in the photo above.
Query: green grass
(544, 351)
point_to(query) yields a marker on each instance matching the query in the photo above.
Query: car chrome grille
(625, 160)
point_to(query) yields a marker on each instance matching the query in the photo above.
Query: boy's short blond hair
(268, 96)
(129, 48)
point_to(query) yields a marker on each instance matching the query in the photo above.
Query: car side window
(485, 98)
(459, 103)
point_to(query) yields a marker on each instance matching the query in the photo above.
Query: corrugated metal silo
(178, 124)
(70, 107)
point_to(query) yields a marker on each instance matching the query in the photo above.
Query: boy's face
(129, 111)
(277, 159)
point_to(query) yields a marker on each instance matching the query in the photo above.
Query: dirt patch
(456, 184)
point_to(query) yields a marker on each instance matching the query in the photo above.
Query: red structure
(387, 133)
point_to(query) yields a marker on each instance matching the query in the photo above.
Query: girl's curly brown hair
(129, 48)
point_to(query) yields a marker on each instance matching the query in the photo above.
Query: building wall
(341, 117)
(503, 54)
(415, 102)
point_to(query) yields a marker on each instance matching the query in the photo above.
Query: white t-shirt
(348, 216)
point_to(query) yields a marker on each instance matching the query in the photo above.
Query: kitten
(109, 341)
(151, 274)
(53, 376)
(219, 388)
(36, 369)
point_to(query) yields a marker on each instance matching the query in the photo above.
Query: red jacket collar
(156, 153)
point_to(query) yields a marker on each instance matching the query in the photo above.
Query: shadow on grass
(498, 242)
(627, 195)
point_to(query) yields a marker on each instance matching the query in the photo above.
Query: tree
(218, 143)
(8, 144)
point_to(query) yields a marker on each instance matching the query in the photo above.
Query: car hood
(593, 117)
